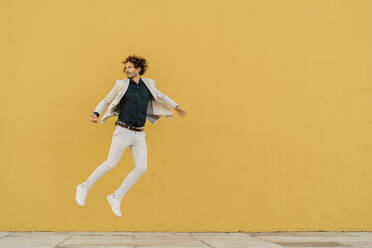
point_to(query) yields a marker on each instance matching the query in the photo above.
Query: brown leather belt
(122, 124)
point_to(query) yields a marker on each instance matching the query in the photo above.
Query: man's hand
(180, 111)
(93, 118)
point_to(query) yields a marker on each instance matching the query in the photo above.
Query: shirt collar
(139, 85)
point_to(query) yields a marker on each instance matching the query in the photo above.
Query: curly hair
(137, 62)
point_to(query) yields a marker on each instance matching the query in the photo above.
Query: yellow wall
(278, 133)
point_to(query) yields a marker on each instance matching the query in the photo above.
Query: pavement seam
(6, 235)
(57, 245)
(204, 242)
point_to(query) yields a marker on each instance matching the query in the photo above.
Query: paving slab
(301, 234)
(233, 240)
(148, 239)
(317, 239)
(32, 239)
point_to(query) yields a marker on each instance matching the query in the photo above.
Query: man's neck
(136, 79)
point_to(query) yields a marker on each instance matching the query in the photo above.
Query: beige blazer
(159, 105)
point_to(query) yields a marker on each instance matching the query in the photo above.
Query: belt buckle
(128, 126)
(137, 129)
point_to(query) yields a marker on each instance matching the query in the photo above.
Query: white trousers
(122, 138)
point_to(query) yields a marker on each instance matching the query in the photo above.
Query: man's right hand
(93, 118)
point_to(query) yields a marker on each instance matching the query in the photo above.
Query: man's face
(131, 71)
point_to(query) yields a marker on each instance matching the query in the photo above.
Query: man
(133, 100)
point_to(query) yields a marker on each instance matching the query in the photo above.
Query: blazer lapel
(150, 87)
(122, 91)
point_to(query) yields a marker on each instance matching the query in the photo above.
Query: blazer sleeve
(164, 98)
(102, 105)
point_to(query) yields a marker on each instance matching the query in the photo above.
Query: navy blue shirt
(133, 105)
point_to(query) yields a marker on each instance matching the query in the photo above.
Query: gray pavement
(185, 239)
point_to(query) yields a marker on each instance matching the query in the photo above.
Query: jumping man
(133, 100)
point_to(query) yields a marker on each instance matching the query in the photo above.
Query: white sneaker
(81, 194)
(114, 203)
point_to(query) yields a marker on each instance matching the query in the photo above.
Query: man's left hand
(180, 111)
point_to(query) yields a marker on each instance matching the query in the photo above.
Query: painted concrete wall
(277, 136)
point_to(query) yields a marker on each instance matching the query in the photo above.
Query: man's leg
(120, 141)
(139, 153)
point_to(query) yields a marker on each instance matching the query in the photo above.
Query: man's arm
(102, 105)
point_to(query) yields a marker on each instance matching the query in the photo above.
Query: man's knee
(141, 170)
(110, 164)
